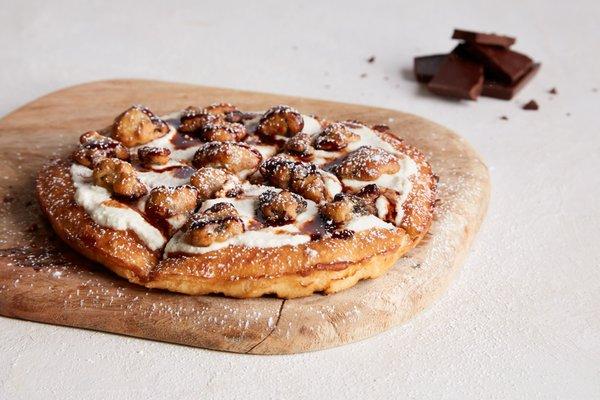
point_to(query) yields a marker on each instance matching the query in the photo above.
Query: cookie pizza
(218, 200)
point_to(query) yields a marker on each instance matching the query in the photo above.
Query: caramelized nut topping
(299, 145)
(302, 178)
(280, 207)
(344, 207)
(280, 121)
(118, 177)
(217, 122)
(220, 109)
(212, 183)
(95, 147)
(367, 164)
(138, 125)
(222, 132)
(370, 193)
(166, 202)
(335, 137)
(216, 224)
(232, 157)
(153, 155)
(193, 119)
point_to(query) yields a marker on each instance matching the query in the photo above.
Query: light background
(522, 319)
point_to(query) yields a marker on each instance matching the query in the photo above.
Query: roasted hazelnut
(232, 157)
(212, 183)
(95, 147)
(344, 207)
(367, 164)
(138, 125)
(280, 121)
(300, 145)
(280, 207)
(335, 137)
(118, 177)
(216, 224)
(166, 202)
(153, 155)
(304, 179)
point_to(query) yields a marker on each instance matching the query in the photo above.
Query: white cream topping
(369, 137)
(365, 222)
(382, 205)
(92, 198)
(266, 150)
(332, 183)
(311, 125)
(264, 238)
(177, 221)
(154, 179)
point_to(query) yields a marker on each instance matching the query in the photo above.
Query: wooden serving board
(43, 280)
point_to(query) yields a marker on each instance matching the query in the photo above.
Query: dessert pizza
(217, 200)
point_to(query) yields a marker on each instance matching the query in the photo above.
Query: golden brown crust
(327, 264)
(120, 251)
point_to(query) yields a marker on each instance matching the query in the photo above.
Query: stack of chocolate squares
(482, 64)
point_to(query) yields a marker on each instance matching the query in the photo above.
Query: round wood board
(41, 279)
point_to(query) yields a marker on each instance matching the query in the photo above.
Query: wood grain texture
(43, 280)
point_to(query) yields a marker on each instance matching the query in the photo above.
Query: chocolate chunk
(505, 91)
(531, 105)
(500, 64)
(553, 91)
(371, 60)
(504, 118)
(458, 77)
(484, 38)
(426, 67)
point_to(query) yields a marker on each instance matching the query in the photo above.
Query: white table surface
(522, 319)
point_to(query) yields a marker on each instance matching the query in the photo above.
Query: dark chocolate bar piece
(484, 38)
(457, 77)
(505, 91)
(426, 67)
(500, 64)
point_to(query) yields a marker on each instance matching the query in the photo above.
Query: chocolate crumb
(553, 91)
(504, 118)
(8, 198)
(363, 75)
(371, 59)
(531, 105)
